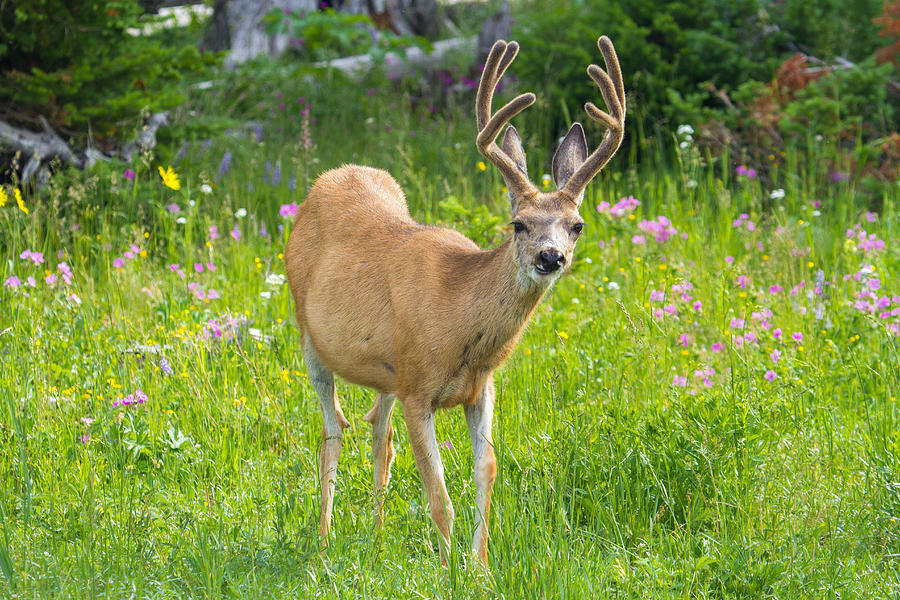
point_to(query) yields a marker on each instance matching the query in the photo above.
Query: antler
(489, 126)
(610, 84)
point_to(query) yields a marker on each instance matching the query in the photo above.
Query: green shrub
(677, 50)
(75, 63)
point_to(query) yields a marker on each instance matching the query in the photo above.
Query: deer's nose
(550, 260)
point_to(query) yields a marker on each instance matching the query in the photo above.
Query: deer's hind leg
(333, 424)
(382, 448)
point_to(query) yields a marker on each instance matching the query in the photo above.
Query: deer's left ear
(569, 156)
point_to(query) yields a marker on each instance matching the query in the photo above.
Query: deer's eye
(577, 227)
(518, 226)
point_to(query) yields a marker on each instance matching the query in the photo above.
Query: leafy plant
(76, 64)
(326, 34)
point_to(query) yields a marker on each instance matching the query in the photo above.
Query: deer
(421, 313)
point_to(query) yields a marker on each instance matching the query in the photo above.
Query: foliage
(678, 49)
(326, 34)
(76, 64)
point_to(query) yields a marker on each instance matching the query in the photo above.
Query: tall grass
(656, 437)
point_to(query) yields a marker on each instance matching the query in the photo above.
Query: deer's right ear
(512, 147)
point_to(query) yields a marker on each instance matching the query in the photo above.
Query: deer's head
(547, 225)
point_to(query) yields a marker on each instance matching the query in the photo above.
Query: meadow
(703, 408)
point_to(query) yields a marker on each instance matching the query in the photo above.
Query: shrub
(75, 63)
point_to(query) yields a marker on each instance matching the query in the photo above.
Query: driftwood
(40, 149)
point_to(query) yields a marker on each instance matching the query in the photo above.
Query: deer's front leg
(479, 417)
(382, 448)
(420, 423)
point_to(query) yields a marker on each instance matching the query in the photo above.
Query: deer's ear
(512, 146)
(571, 153)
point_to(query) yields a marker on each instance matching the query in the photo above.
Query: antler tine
(613, 91)
(489, 126)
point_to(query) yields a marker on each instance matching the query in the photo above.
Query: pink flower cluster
(130, 254)
(620, 208)
(288, 211)
(138, 397)
(747, 172)
(661, 229)
(744, 220)
(868, 242)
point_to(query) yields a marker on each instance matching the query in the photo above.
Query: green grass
(613, 481)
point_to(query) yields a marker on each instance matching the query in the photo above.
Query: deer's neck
(503, 303)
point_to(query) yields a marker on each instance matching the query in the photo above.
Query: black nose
(550, 260)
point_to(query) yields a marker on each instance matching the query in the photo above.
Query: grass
(648, 447)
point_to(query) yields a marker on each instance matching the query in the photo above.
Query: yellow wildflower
(170, 178)
(3, 197)
(19, 201)
(481, 165)
(563, 335)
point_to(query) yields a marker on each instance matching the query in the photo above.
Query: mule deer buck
(421, 313)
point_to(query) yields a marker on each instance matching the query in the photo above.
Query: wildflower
(624, 206)
(684, 130)
(685, 339)
(236, 233)
(742, 281)
(275, 279)
(213, 232)
(164, 366)
(206, 189)
(657, 296)
(212, 294)
(679, 381)
(717, 347)
(173, 208)
(775, 355)
(661, 227)
(776, 194)
(31, 282)
(240, 213)
(118, 262)
(19, 202)
(198, 267)
(87, 420)
(774, 289)
(74, 299)
(169, 177)
(129, 174)
(736, 323)
(729, 260)
(3, 197)
(288, 210)
(50, 279)
(837, 176)
(12, 282)
(770, 375)
(545, 180)
(481, 166)
(638, 239)
(84, 439)
(776, 333)
(746, 172)
(797, 336)
(224, 165)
